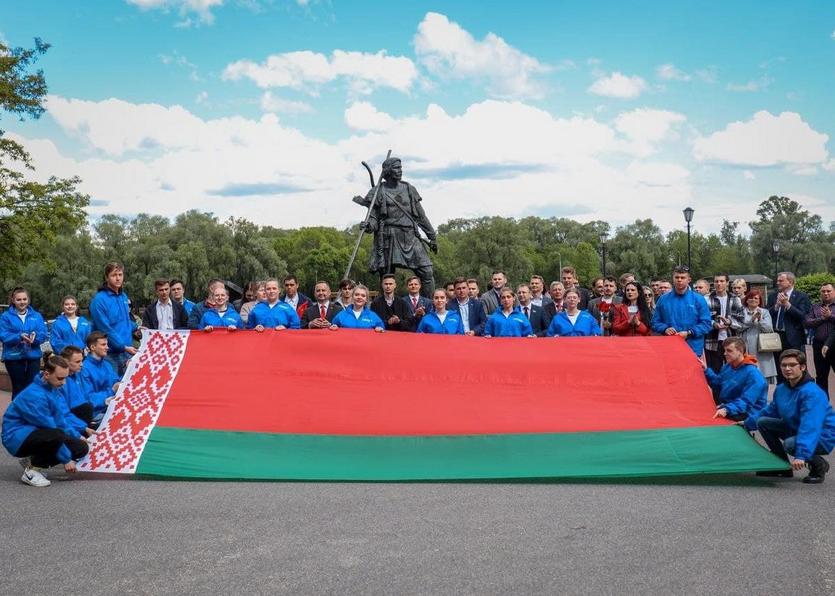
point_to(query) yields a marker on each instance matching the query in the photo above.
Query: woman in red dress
(632, 316)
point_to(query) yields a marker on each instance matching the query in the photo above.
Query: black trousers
(22, 373)
(42, 446)
(84, 412)
(823, 365)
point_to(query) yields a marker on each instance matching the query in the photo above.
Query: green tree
(29, 211)
(786, 237)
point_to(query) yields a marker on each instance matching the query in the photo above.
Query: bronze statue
(396, 217)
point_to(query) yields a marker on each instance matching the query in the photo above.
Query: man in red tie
(418, 305)
(321, 314)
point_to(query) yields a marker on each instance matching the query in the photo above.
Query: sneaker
(776, 473)
(33, 477)
(818, 467)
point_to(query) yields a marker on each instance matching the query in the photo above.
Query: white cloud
(708, 75)
(278, 105)
(804, 171)
(202, 97)
(751, 86)
(829, 166)
(619, 85)
(363, 116)
(465, 165)
(765, 140)
(306, 70)
(448, 50)
(644, 128)
(748, 175)
(669, 72)
(201, 8)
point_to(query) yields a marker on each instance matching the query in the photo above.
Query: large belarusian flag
(358, 405)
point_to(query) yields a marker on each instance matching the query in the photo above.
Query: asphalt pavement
(724, 534)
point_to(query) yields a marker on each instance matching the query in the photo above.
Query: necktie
(321, 311)
(414, 303)
(527, 314)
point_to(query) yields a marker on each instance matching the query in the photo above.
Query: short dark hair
(472, 280)
(735, 341)
(175, 281)
(408, 279)
(16, 291)
(460, 280)
(681, 269)
(94, 338)
(792, 353)
(497, 271)
(158, 283)
(611, 278)
(725, 275)
(289, 278)
(449, 283)
(388, 276)
(68, 351)
(346, 283)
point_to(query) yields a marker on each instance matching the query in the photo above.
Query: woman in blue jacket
(68, 328)
(358, 316)
(440, 320)
(572, 322)
(22, 331)
(221, 314)
(508, 321)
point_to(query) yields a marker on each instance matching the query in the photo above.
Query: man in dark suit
(390, 308)
(536, 314)
(557, 292)
(788, 308)
(164, 313)
(569, 280)
(320, 314)
(470, 309)
(418, 305)
(610, 285)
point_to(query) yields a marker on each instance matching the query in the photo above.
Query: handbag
(769, 342)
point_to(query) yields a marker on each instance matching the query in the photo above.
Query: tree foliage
(30, 212)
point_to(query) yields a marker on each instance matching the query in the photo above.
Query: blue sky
(263, 109)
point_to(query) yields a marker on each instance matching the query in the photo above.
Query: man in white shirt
(164, 313)
(538, 295)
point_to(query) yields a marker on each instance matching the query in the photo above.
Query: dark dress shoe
(818, 467)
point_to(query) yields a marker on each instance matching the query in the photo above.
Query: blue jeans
(779, 438)
(119, 362)
(22, 373)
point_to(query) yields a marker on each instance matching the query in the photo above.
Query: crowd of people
(58, 398)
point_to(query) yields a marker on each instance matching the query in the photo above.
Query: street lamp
(775, 249)
(688, 217)
(603, 236)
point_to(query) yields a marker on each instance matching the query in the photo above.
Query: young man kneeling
(34, 427)
(799, 421)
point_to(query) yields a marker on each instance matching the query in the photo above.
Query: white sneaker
(34, 477)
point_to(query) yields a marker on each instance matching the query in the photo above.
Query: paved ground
(731, 534)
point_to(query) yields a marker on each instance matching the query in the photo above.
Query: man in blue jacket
(799, 421)
(683, 312)
(110, 312)
(273, 312)
(98, 378)
(35, 430)
(740, 388)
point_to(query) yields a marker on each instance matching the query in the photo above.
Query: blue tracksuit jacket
(74, 395)
(742, 390)
(368, 319)
(684, 312)
(14, 348)
(97, 379)
(229, 319)
(39, 406)
(280, 313)
(111, 315)
(61, 335)
(561, 326)
(806, 410)
(513, 325)
(431, 323)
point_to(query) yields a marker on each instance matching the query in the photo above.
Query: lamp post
(688, 217)
(775, 248)
(603, 236)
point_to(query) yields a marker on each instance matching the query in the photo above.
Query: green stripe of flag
(178, 452)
